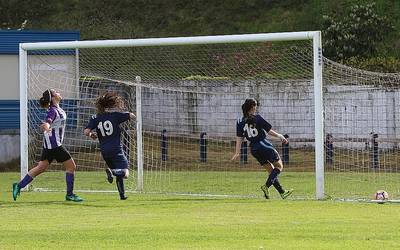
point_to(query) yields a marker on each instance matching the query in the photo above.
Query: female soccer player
(254, 128)
(53, 134)
(106, 122)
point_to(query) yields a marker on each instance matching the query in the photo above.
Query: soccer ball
(381, 195)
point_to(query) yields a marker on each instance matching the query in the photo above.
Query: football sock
(278, 186)
(120, 186)
(118, 172)
(272, 177)
(69, 178)
(25, 181)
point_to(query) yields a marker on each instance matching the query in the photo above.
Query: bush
(356, 34)
(379, 64)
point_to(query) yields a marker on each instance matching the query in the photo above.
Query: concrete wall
(9, 147)
(60, 75)
(352, 112)
(9, 80)
(53, 71)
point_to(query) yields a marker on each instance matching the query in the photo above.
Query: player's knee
(126, 173)
(69, 165)
(278, 164)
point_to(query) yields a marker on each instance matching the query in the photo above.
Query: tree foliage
(356, 34)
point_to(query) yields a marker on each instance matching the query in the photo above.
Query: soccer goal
(187, 94)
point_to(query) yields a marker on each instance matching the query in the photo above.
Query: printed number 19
(105, 128)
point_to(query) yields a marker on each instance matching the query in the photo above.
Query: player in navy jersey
(255, 129)
(53, 128)
(106, 123)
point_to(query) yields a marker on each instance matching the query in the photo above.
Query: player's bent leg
(265, 190)
(109, 175)
(121, 187)
(287, 193)
(283, 193)
(39, 168)
(119, 172)
(278, 164)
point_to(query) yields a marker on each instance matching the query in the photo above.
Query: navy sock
(118, 172)
(278, 186)
(272, 177)
(25, 181)
(69, 178)
(120, 186)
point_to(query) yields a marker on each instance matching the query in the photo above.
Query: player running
(106, 123)
(254, 128)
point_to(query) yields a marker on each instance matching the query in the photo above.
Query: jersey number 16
(105, 128)
(251, 130)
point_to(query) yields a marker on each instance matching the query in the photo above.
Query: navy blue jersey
(108, 131)
(253, 133)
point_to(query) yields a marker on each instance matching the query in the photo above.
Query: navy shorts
(59, 153)
(117, 161)
(264, 152)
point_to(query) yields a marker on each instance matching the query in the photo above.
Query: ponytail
(45, 100)
(246, 107)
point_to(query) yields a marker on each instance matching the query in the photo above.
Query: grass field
(151, 221)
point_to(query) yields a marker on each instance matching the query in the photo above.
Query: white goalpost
(186, 93)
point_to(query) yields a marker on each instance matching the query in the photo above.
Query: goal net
(187, 95)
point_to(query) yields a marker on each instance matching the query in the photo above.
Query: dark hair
(246, 107)
(109, 100)
(45, 100)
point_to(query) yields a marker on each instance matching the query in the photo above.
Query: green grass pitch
(43, 220)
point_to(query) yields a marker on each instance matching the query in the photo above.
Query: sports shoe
(109, 175)
(265, 190)
(123, 197)
(16, 190)
(287, 193)
(73, 197)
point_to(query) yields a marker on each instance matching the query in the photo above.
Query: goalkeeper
(106, 123)
(254, 128)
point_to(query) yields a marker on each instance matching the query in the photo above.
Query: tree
(356, 34)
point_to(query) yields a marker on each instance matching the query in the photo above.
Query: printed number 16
(251, 131)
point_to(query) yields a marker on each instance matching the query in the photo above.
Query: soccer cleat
(286, 194)
(265, 190)
(123, 197)
(73, 197)
(15, 190)
(109, 175)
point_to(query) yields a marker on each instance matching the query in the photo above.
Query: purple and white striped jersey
(56, 117)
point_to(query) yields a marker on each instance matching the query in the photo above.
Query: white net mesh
(191, 98)
(362, 126)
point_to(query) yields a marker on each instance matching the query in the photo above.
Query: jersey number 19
(105, 128)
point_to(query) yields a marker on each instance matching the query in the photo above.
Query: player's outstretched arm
(277, 135)
(239, 141)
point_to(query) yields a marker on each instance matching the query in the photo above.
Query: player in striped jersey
(106, 123)
(254, 128)
(53, 134)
